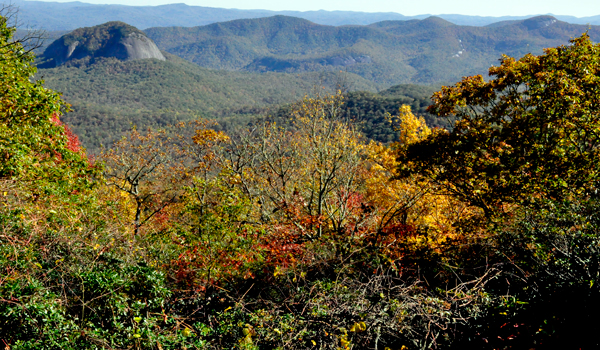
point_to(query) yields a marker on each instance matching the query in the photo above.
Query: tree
(36, 149)
(410, 211)
(308, 174)
(532, 130)
(25, 43)
(149, 168)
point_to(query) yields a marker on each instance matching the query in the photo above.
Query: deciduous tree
(532, 130)
(307, 174)
(36, 149)
(148, 167)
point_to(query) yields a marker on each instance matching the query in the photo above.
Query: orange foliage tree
(150, 169)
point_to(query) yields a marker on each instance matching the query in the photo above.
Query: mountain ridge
(71, 15)
(431, 50)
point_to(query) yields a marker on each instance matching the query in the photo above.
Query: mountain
(112, 39)
(594, 20)
(427, 51)
(109, 95)
(266, 62)
(54, 16)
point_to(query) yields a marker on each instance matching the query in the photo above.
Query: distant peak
(437, 21)
(538, 22)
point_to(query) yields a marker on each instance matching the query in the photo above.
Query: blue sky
(578, 8)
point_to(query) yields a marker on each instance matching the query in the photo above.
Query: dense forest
(107, 96)
(301, 233)
(427, 51)
(271, 63)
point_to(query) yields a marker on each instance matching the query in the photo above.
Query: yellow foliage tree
(413, 201)
(308, 174)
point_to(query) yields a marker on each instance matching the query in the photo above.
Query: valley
(183, 177)
(241, 70)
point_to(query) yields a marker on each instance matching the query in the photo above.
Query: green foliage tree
(530, 131)
(525, 149)
(35, 147)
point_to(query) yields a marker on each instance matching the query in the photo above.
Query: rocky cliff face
(112, 39)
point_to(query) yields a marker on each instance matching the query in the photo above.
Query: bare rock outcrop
(112, 39)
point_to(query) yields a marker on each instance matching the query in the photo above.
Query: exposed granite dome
(112, 39)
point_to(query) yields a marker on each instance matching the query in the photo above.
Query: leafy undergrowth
(306, 236)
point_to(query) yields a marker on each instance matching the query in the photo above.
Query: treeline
(305, 235)
(108, 96)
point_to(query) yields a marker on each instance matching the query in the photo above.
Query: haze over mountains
(55, 16)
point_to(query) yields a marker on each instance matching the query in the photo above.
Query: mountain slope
(109, 95)
(431, 50)
(370, 111)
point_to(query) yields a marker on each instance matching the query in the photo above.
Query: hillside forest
(247, 69)
(298, 232)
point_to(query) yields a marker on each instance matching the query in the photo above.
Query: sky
(578, 8)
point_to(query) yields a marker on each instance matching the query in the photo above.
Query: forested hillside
(109, 95)
(387, 53)
(371, 113)
(305, 235)
(284, 58)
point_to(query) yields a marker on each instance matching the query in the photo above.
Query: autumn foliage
(306, 235)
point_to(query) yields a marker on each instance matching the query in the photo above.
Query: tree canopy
(533, 129)
(34, 144)
(303, 235)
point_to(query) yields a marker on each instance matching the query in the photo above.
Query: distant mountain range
(54, 16)
(106, 73)
(383, 54)
(238, 70)
(387, 53)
